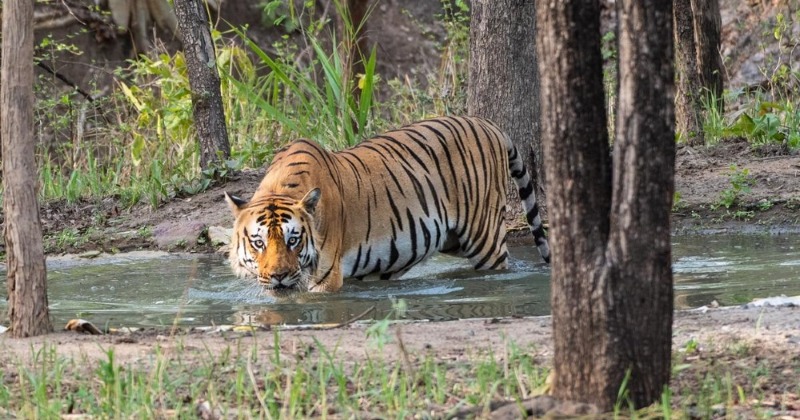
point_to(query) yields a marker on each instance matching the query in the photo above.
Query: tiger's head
(273, 240)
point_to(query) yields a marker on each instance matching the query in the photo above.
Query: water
(200, 290)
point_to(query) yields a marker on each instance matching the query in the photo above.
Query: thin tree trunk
(201, 63)
(353, 31)
(707, 29)
(503, 84)
(639, 257)
(611, 271)
(688, 103)
(578, 174)
(27, 274)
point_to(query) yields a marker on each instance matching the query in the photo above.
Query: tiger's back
(397, 198)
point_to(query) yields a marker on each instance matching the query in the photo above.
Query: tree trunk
(707, 29)
(639, 256)
(611, 274)
(209, 116)
(503, 84)
(688, 103)
(351, 30)
(578, 178)
(27, 274)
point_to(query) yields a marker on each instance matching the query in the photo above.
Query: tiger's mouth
(282, 282)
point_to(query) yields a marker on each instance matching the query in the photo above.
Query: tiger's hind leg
(494, 256)
(486, 246)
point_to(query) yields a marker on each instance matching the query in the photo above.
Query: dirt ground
(729, 342)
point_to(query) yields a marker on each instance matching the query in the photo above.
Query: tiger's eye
(258, 243)
(293, 241)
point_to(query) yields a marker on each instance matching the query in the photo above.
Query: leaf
(137, 148)
(767, 107)
(129, 94)
(743, 127)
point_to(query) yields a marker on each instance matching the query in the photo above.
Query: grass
(244, 381)
(287, 379)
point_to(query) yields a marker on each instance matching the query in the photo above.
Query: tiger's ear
(311, 200)
(235, 203)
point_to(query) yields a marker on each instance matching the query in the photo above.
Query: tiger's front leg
(330, 282)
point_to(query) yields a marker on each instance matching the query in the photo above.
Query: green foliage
(740, 183)
(316, 101)
(768, 122)
(768, 114)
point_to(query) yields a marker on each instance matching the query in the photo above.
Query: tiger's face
(273, 240)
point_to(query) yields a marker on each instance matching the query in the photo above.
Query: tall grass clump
(312, 100)
(768, 112)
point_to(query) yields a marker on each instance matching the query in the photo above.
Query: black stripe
(412, 228)
(358, 260)
(426, 234)
(526, 191)
(499, 261)
(395, 210)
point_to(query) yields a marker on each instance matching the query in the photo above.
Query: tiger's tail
(523, 180)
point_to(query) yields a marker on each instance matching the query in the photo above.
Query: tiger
(381, 207)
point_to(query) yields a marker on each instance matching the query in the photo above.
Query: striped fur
(383, 206)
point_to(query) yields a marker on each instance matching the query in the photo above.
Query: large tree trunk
(688, 104)
(639, 257)
(201, 59)
(503, 84)
(27, 274)
(707, 28)
(578, 175)
(612, 283)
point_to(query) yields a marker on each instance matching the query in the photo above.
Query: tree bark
(707, 29)
(611, 274)
(27, 274)
(688, 104)
(503, 83)
(639, 256)
(578, 178)
(201, 63)
(353, 31)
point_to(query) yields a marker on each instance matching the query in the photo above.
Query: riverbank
(728, 362)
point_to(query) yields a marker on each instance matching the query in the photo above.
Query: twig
(349, 321)
(64, 79)
(328, 326)
(261, 400)
(404, 353)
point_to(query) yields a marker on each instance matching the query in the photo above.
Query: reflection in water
(200, 290)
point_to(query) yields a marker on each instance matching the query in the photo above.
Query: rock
(546, 406)
(90, 254)
(180, 234)
(782, 300)
(219, 235)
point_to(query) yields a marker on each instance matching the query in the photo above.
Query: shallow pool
(130, 290)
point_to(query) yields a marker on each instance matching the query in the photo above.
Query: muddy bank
(756, 350)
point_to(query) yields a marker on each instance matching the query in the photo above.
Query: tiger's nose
(279, 276)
